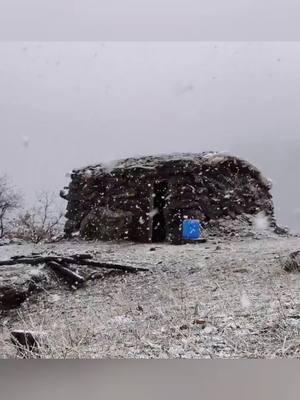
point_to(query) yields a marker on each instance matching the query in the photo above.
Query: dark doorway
(160, 190)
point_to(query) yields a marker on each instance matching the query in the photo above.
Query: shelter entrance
(160, 190)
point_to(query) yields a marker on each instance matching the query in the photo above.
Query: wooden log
(71, 277)
(31, 260)
(96, 264)
(36, 260)
(82, 256)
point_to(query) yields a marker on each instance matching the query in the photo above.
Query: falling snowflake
(153, 212)
(261, 221)
(245, 302)
(25, 141)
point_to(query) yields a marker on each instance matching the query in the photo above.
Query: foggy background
(66, 105)
(149, 20)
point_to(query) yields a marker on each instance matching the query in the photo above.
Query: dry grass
(250, 306)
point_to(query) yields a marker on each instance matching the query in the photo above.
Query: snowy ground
(227, 299)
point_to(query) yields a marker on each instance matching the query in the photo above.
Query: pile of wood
(65, 268)
(118, 202)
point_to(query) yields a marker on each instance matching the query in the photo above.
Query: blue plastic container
(191, 229)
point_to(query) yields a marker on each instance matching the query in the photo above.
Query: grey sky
(149, 20)
(80, 103)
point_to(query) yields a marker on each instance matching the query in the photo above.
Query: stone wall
(117, 203)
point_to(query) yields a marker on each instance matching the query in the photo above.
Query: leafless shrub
(62, 341)
(10, 200)
(42, 222)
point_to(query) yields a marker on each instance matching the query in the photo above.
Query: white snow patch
(88, 173)
(110, 165)
(210, 329)
(76, 234)
(121, 320)
(54, 298)
(36, 272)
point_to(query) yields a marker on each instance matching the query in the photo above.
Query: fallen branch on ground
(69, 276)
(13, 297)
(78, 259)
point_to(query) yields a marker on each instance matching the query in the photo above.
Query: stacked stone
(119, 203)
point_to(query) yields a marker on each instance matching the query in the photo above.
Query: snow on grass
(159, 314)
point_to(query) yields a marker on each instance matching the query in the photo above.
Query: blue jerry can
(191, 229)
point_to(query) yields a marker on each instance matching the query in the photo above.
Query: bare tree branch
(41, 222)
(9, 201)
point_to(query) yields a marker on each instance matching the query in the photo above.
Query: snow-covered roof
(154, 162)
